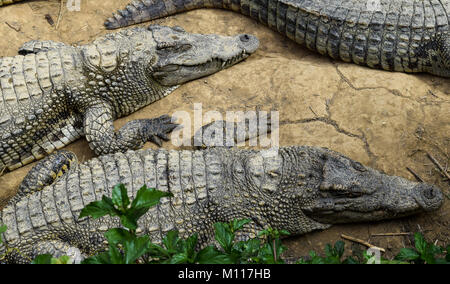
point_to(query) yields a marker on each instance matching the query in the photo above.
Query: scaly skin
(53, 94)
(298, 189)
(406, 36)
(7, 2)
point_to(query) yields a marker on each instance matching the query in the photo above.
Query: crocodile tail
(6, 2)
(140, 11)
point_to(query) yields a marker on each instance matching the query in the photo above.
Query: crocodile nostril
(244, 38)
(428, 193)
(428, 196)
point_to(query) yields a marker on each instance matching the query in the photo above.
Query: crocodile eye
(358, 166)
(179, 29)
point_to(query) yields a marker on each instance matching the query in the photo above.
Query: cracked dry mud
(384, 120)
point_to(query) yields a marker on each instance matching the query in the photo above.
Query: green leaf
(350, 260)
(210, 255)
(447, 256)
(135, 248)
(42, 259)
(265, 232)
(118, 235)
(441, 261)
(156, 251)
(101, 258)
(265, 254)
(120, 197)
(339, 248)
(278, 248)
(62, 260)
(179, 258)
(386, 261)
(251, 247)
(420, 243)
(2, 230)
(407, 254)
(431, 252)
(436, 249)
(148, 197)
(115, 257)
(99, 209)
(329, 252)
(238, 224)
(129, 221)
(318, 260)
(170, 241)
(145, 198)
(224, 236)
(190, 245)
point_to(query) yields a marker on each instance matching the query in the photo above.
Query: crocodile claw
(159, 129)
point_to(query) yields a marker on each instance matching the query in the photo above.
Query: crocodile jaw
(183, 57)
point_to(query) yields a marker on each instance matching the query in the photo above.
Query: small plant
(333, 255)
(124, 246)
(424, 252)
(175, 250)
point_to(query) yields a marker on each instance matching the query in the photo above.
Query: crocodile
(296, 188)
(52, 93)
(405, 36)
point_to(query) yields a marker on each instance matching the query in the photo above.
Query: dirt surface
(384, 120)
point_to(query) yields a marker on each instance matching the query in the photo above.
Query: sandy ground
(384, 120)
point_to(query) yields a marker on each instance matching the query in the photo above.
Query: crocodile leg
(35, 46)
(99, 131)
(46, 172)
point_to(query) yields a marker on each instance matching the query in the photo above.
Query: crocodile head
(183, 56)
(437, 51)
(326, 188)
(350, 192)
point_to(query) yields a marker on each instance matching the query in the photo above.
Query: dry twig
(361, 242)
(60, 14)
(444, 172)
(415, 174)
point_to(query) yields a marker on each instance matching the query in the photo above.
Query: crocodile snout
(429, 197)
(247, 42)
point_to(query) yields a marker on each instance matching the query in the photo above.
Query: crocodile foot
(159, 128)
